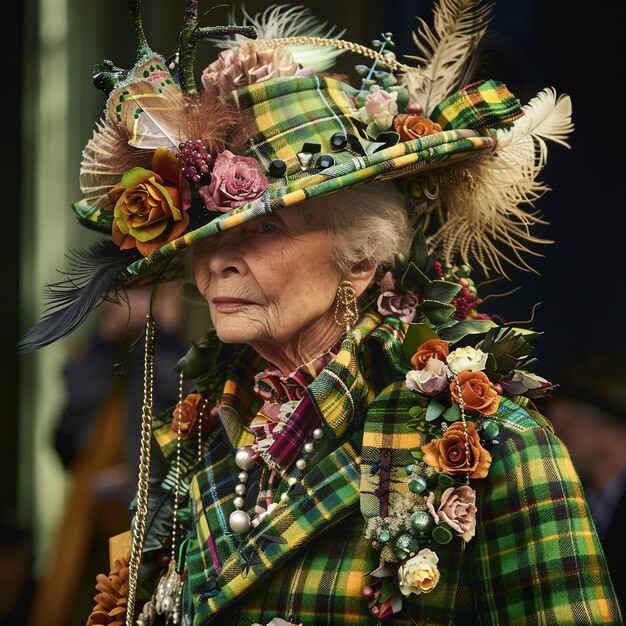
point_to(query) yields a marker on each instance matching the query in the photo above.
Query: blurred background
(63, 495)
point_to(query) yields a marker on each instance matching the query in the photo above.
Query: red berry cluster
(464, 302)
(194, 159)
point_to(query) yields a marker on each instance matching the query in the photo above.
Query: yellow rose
(419, 574)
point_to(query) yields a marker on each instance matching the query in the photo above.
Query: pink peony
(380, 107)
(397, 303)
(235, 180)
(457, 509)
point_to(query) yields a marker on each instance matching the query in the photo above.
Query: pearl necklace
(246, 458)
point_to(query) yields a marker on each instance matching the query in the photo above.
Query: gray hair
(367, 222)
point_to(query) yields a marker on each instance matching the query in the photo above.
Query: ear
(360, 275)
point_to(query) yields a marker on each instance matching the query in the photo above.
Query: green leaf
(452, 413)
(441, 290)
(415, 411)
(434, 410)
(435, 312)
(414, 279)
(416, 335)
(419, 250)
(418, 455)
(383, 571)
(386, 592)
(467, 327)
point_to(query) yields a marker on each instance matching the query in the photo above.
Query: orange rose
(186, 414)
(414, 126)
(479, 395)
(433, 348)
(450, 455)
(150, 205)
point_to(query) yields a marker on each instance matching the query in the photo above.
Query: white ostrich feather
(546, 117)
(489, 220)
(446, 50)
(284, 21)
(106, 157)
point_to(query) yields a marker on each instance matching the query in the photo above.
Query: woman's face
(271, 280)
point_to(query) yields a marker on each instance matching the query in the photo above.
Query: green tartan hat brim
(407, 159)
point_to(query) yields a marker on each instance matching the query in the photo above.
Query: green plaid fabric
(485, 104)
(535, 558)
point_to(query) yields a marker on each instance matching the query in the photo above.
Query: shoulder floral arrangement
(464, 364)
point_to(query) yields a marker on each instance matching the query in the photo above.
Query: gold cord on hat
(346, 309)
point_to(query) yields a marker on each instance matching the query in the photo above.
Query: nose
(226, 255)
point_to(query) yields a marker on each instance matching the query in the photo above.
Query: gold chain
(144, 472)
(341, 44)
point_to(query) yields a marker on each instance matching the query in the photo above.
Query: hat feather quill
(446, 50)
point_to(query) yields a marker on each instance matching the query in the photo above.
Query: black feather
(95, 274)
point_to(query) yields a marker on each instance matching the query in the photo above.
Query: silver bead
(243, 477)
(308, 447)
(244, 457)
(238, 502)
(301, 464)
(240, 489)
(168, 604)
(318, 433)
(239, 522)
(292, 481)
(284, 496)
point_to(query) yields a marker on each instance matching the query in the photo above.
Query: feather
(495, 212)
(106, 157)
(284, 21)
(546, 117)
(95, 274)
(446, 50)
(147, 106)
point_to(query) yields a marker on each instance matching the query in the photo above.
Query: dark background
(530, 45)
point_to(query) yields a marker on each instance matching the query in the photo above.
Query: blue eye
(267, 227)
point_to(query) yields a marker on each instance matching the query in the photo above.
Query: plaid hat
(170, 165)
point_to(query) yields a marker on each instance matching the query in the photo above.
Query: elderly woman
(359, 442)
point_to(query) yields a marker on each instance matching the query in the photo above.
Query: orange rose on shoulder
(479, 395)
(433, 348)
(186, 414)
(450, 455)
(150, 206)
(410, 126)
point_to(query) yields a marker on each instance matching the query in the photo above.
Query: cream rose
(419, 574)
(430, 380)
(467, 359)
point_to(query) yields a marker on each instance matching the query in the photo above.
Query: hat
(171, 164)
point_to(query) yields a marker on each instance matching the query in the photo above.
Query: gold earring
(346, 310)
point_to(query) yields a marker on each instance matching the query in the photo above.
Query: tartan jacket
(535, 559)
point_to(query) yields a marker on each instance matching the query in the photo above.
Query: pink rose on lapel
(235, 180)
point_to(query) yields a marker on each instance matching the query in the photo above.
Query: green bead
(421, 521)
(417, 484)
(463, 271)
(406, 546)
(490, 429)
(445, 481)
(442, 534)
(383, 535)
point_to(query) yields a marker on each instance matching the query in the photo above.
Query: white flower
(419, 574)
(431, 380)
(467, 360)
(380, 107)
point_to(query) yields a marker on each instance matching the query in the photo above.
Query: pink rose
(457, 509)
(235, 180)
(431, 379)
(380, 107)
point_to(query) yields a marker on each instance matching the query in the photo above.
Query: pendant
(168, 595)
